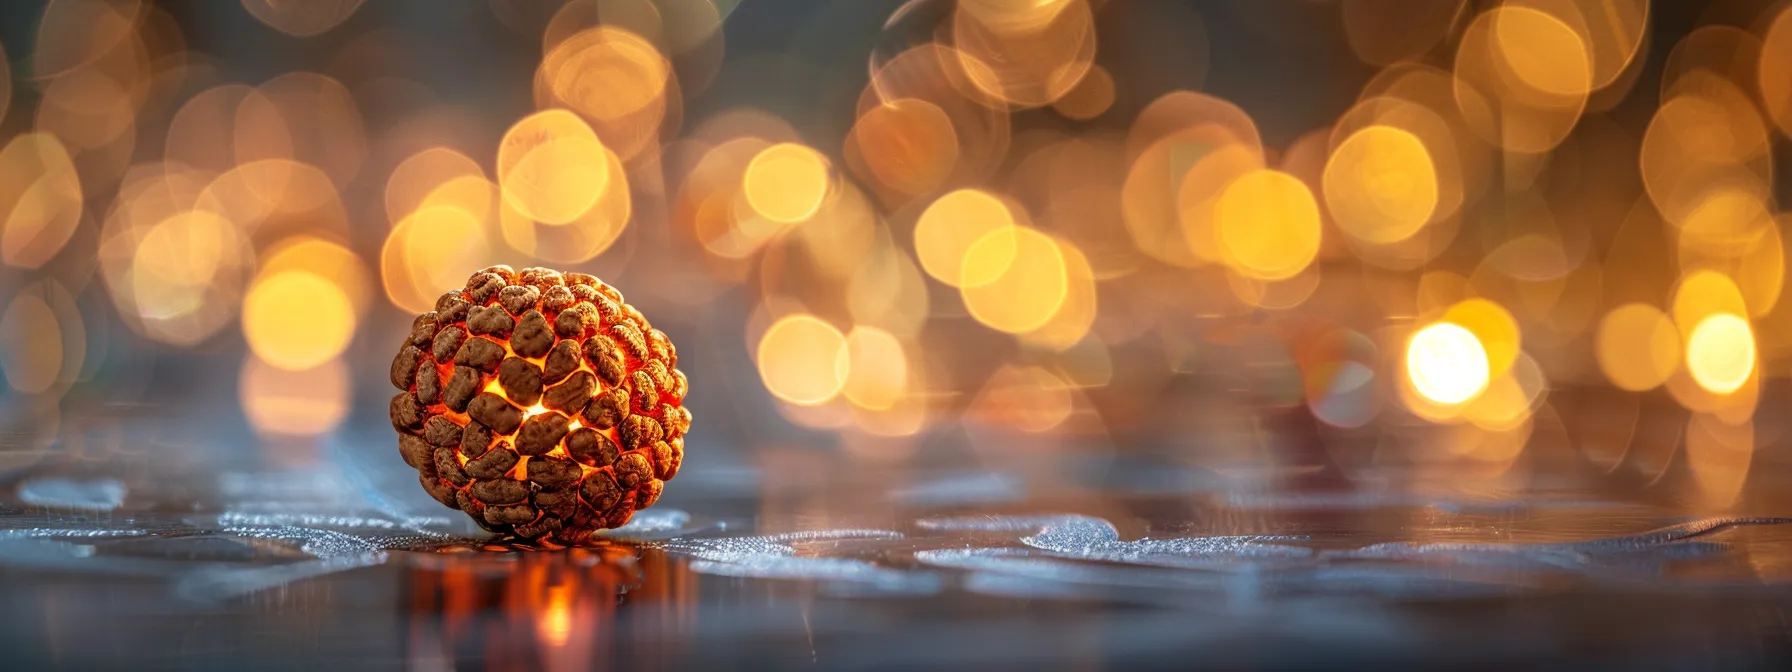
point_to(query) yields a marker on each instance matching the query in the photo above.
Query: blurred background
(1470, 243)
(1501, 276)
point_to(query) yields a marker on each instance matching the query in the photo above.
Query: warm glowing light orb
(1381, 185)
(786, 182)
(1638, 347)
(1447, 364)
(1268, 224)
(1029, 289)
(282, 402)
(297, 320)
(1720, 353)
(799, 359)
(947, 229)
(873, 368)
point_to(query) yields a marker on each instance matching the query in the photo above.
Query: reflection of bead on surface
(540, 403)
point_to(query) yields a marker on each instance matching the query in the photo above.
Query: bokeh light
(1380, 185)
(434, 248)
(1774, 71)
(786, 182)
(1447, 364)
(907, 145)
(1496, 331)
(1023, 279)
(1030, 61)
(551, 167)
(1638, 347)
(285, 402)
(615, 80)
(877, 369)
(297, 320)
(1720, 353)
(954, 222)
(185, 276)
(1523, 77)
(41, 194)
(803, 360)
(1438, 233)
(1268, 225)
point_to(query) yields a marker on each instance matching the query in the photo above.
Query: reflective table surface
(327, 557)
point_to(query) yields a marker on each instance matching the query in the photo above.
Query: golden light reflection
(614, 79)
(1699, 142)
(297, 320)
(430, 250)
(271, 197)
(1380, 185)
(327, 259)
(1704, 293)
(1514, 186)
(1522, 78)
(954, 222)
(1028, 289)
(1447, 364)
(1638, 347)
(1509, 400)
(1774, 71)
(421, 175)
(1198, 196)
(578, 240)
(786, 182)
(551, 167)
(41, 196)
(875, 365)
(1069, 325)
(555, 625)
(907, 145)
(286, 402)
(1268, 225)
(1495, 330)
(1613, 30)
(799, 360)
(1542, 52)
(980, 128)
(185, 276)
(1720, 353)
(711, 205)
(1030, 67)
(557, 181)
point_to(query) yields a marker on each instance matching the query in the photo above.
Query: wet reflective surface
(212, 561)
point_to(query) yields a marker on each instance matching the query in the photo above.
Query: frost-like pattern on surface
(92, 494)
(775, 557)
(1091, 538)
